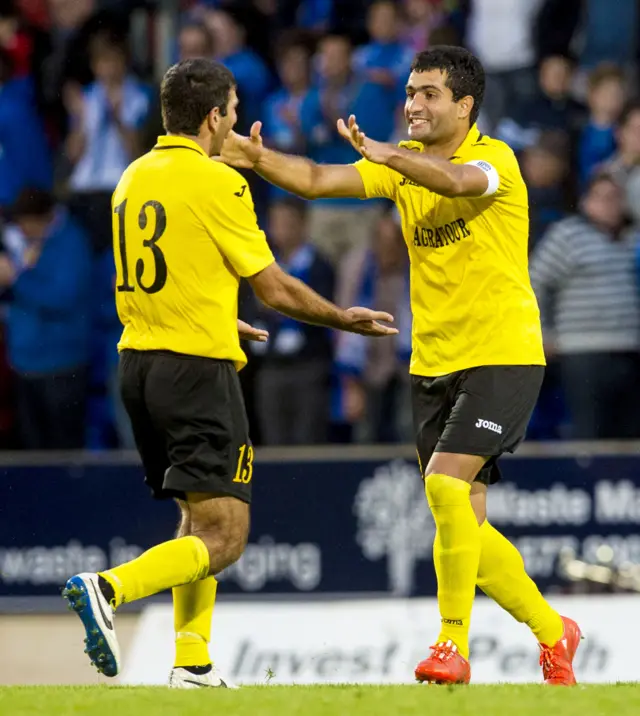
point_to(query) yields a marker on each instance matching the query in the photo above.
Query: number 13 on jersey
(159, 262)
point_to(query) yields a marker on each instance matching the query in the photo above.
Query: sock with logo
(167, 565)
(502, 576)
(192, 611)
(456, 553)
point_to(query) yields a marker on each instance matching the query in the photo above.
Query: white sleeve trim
(492, 175)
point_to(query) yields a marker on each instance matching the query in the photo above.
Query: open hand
(365, 322)
(377, 152)
(249, 333)
(242, 152)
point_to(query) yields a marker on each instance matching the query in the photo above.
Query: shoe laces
(552, 667)
(444, 650)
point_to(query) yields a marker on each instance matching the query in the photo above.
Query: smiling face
(430, 110)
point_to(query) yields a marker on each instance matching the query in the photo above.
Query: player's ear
(465, 105)
(213, 118)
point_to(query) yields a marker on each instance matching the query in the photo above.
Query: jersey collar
(167, 141)
(474, 135)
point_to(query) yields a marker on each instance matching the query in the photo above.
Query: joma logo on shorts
(487, 425)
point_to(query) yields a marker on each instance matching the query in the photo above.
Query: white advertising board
(381, 641)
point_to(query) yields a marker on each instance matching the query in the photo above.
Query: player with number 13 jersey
(184, 235)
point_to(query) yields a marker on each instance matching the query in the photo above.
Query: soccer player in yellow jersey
(185, 232)
(478, 361)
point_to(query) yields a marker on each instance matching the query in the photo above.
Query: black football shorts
(479, 411)
(189, 423)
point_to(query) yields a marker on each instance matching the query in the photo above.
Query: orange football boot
(444, 666)
(557, 661)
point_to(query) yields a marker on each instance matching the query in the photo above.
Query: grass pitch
(620, 700)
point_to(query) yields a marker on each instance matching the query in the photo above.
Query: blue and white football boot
(87, 600)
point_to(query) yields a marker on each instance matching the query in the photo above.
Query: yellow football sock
(167, 565)
(456, 554)
(192, 611)
(502, 576)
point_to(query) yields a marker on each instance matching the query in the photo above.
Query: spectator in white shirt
(105, 133)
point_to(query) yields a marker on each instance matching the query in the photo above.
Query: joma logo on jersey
(407, 182)
(488, 425)
(441, 235)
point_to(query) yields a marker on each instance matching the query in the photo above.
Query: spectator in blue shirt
(336, 225)
(282, 128)
(385, 61)
(25, 158)
(606, 98)
(251, 73)
(281, 116)
(315, 15)
(48, 273)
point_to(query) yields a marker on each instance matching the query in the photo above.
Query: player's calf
(222, 523)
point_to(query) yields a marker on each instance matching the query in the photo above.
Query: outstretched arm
(285, 294)
(308, 179)
(439, 175)
(298, 175)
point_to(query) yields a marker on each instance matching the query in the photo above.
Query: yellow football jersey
(471, 297)
(184, 233)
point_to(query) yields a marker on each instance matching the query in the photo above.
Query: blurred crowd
(79, 101)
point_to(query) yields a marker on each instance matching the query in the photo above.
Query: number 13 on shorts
(244, 472)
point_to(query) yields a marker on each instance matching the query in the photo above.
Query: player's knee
(463, 467)
(442, 488)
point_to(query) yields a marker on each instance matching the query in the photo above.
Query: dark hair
(465, 75)
(601, 177)
(567, 57)
(293, 39)
(106, 42)
(190, 90)
(555, 142)
(237, 15)
(32, 202)
(630, 108)
(203, 30)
